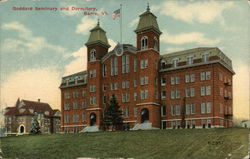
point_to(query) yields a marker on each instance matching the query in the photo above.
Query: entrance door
(144, 115)
(92, 119)
(21, 129)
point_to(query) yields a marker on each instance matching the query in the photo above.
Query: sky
(38, 47)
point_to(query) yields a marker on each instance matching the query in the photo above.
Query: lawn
(153, 144)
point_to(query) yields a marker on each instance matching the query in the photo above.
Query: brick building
(18, 118)
(152, 89)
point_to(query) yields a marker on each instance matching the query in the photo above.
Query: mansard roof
(76, 79)
(98, 35)
(147, 21)
(197, 53)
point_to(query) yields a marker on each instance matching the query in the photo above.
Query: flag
(116, 13)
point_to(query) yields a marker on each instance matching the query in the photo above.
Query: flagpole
(121, 24)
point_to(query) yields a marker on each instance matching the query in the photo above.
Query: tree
(35, 128)
(183, 113)
(112, 115)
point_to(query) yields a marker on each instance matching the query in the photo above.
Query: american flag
(116, 13)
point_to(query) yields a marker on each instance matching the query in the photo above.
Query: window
(177, 93)
(163, 81)
(104, 87)
(163, 110)
(208, 107)
(92, 73)
(163, 94)
(92, 88)
(187, 92)
(125, 84)
(92, 55)
(192, 78)
(175, 62)
(135, 83)
(135, 112)
(83, 93)
(144, 63)
(208, 75)
(75, 94)
(190, 60)
(114, 86)
(135, 96)
(177, 109)
(66, 106)
(125, 64)
(92, 100)
(172, 94)
(104, 70)
(144, 43)
(177, 80)
(66, 118)
(172, 80)
(192, 110)
(202, 76)
(135, 65)
(192, 92)
(203, 108)
(208, 90)
(156, 93)
(75, 117)
(126, 112)
(144, 94)
(125, 97)
(187, 78)
(114, 66)
(75, 105)
(205, 57)
(67, 95)
(84, 104)
(155, 44)
(144, 80)
(187, 109)
(203, 90)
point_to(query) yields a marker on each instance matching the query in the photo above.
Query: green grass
(153, 144)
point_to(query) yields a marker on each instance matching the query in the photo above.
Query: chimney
(39, 100)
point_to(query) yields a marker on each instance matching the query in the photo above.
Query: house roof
(26, 107)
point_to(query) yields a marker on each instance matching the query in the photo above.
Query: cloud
(79, 62)
(32, 84)
(26, 42)
(191, 37)
(199, 11)
(133, 22)
(85, 25)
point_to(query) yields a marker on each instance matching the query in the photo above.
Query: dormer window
(144, 43)
(155, 44)
(175, 62)
(205, 57)
(163, 64)
(92, 55)
(190, 60)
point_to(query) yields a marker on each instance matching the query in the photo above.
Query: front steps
(143, 126)
(90, 129)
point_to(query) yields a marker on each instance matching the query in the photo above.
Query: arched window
(155, 44)
(92, 55)
(144, 43)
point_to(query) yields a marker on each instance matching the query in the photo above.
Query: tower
(147, 41)
(97, 47)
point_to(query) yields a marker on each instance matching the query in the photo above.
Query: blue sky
(38, 47)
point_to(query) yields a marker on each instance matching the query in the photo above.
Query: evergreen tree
(112, 115)
(35, 128)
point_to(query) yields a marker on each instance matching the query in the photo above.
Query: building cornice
(148, 103)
